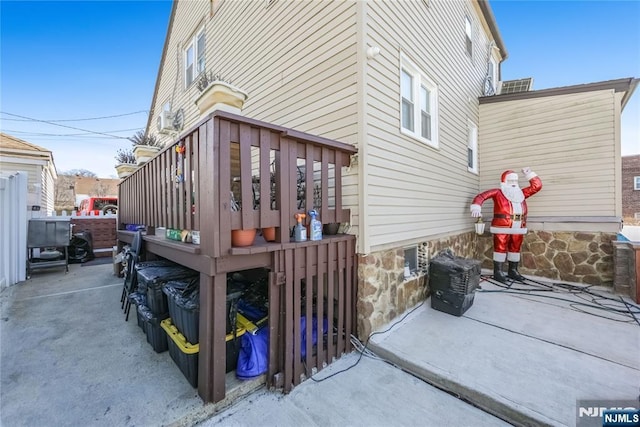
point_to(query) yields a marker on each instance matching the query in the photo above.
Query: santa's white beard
(513, 194)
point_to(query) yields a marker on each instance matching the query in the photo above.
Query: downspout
(362, 162)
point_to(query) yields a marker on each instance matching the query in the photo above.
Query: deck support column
(212, 356)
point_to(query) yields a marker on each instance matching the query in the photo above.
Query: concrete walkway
(68, 358)
(525, 358)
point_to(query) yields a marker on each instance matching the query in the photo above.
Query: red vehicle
(96, 205)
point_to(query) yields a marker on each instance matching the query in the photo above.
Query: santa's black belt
(515, 217)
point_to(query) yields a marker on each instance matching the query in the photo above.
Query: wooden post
(212, 356)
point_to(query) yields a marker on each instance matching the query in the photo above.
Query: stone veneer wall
(383, 292)
(581, 257)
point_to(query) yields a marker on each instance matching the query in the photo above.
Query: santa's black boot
(513, 272)
(497, 272)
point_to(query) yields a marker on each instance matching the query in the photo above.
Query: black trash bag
(183, 298)
(81, 248)
(142, 286)
(185, 293)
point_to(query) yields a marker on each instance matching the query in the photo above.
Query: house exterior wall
(544, 134)
(34, 179)
(630, 197)
(301, 74)
(571, 142)
(415, 192)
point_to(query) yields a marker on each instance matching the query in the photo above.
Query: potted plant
(241, 238)
(126, 162)
(145, 147)
(216, 93)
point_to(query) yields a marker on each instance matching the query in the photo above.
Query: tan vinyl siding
(296, 60)
(566, 139)
(414, 191)
(311, 58)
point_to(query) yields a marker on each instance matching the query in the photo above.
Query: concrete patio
(69, 358)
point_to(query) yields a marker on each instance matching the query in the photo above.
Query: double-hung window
(418, 104)
(194, 58)
(472, 147)
(636, 182)
(467, 36)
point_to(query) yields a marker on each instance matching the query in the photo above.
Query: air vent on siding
(515, 86)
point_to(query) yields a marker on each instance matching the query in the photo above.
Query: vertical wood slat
(288, 322)
(173, 188)
(324, 177)
(188, 212)
(337, 190)
(310, 362)
(283, 201)
(246, 183)
(180, 190)
(320, 283)
(274, 321)
(331, 273)
(224, 185)
(163, 190)
(308, 179)
(196, 159)
(341, 317)
(265, 176)
(297, 337)
(349, 296)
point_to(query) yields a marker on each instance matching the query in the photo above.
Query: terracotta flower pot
(269, 234)
(242, 238)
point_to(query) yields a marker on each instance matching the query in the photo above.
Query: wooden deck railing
(269, 173)
(273, 173)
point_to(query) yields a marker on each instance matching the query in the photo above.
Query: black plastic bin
(155, 335)
(453, 281)
(183, 298)
(185, 354)
(153, 279)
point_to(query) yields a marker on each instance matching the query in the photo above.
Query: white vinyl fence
(13, 228)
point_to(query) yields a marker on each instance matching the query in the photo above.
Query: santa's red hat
(506, 175)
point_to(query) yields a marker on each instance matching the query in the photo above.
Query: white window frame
(472, 147)
(636, 182)
(419, 81)
(468, 36)
(198, 58)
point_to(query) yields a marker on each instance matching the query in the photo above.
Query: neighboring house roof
(627, 85)
(10, 146)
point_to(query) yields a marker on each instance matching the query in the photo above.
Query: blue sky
(85, 60)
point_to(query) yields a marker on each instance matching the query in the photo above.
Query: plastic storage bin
(155, 335)
(185, 354)
(183, 299)
(453, 281)
(153, 278)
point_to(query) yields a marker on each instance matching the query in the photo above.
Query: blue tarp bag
(254, 352)
(314, 333)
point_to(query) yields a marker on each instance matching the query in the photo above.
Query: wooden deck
(271, 173)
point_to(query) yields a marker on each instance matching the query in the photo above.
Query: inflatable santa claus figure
(509, 223)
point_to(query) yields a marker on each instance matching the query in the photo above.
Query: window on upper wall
(467, 35)
(418, 104)
(636, 182)
(472, 147)
(194, 58)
